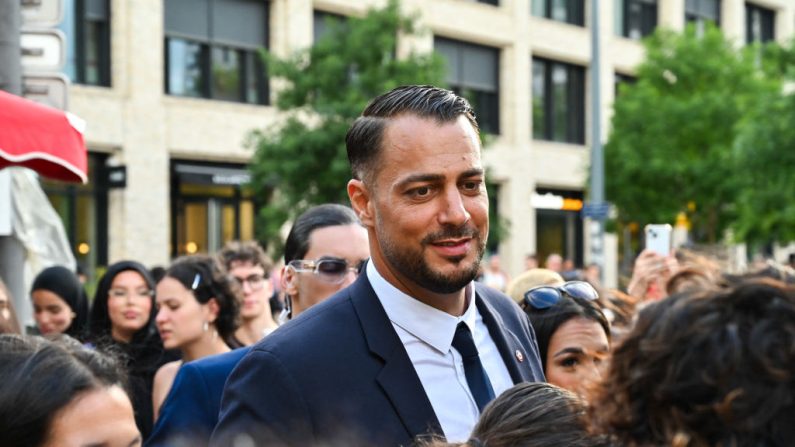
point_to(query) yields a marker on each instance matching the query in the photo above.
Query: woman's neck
(209, 344)
(121, 336)
(252, 331)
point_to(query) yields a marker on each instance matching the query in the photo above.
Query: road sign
(597, 211)
(42, 50)
(42, 13)
(48, 89)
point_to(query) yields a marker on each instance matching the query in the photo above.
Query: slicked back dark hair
(365, 137)
(321, 216)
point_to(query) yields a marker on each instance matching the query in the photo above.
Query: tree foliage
(671, 146)
(765, 152)
(302, 161)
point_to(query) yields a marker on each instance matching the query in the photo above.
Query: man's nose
(454, 210)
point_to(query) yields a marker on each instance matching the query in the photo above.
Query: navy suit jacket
(190, 411)
(339, 373)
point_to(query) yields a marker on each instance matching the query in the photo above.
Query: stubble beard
(412, 264)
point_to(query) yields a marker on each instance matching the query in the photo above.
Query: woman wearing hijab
(59, 302)
(122, 320)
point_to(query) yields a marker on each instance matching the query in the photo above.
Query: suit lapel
(513, 354)
(398, 378)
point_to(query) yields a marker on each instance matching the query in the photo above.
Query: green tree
(766, 157)
(670, 148)
(302, 161)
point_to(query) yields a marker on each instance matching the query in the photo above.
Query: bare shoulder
(167, 372)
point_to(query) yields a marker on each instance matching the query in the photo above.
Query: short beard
(412, 265)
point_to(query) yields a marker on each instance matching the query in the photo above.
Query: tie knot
(463, 341)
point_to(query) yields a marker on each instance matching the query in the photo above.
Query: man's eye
(471, 186)
(422, 191)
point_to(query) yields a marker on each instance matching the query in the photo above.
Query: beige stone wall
(143, 128)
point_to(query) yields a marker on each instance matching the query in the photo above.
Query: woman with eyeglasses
(122, 321)
(572, 332)
(197, 313)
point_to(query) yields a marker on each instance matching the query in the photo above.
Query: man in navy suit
(414, 346)
(330, 235)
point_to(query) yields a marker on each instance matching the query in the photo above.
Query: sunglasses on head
(332, 270)
(544, 297)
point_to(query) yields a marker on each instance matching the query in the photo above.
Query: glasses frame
(254, 285)
(313, 266)
(570, 288)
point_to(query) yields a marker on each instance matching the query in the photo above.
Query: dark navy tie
(477, 379)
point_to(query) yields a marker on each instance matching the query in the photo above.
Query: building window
(84, 212)
(636, 19)
(210, 206)
(86, 24)
(490, 2)
(558, 101)
(473, 72)
(701, 11)
(559, 226)
(620, 80)
(212, 49)
(759, 24)
(322, 22)
(568, 11)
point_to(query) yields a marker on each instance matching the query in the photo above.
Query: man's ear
(289, 281)
(361, 201)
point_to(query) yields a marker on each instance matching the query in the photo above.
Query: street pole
(12, 253)
(597, 156)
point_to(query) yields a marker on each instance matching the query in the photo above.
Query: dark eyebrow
(416, 178)
(472, 172)
(569, 351)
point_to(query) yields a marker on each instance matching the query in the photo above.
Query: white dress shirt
(427, 334)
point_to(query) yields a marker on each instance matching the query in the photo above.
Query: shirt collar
(431, 325)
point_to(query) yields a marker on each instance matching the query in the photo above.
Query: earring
(206, 326)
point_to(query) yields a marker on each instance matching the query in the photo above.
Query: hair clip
(196, 280)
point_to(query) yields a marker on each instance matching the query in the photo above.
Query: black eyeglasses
(544, 297)
(331, 270)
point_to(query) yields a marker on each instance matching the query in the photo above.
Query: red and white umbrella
(41, 138)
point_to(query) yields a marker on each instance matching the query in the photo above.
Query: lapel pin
(519, 356)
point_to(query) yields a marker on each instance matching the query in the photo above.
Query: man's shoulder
(498, 300)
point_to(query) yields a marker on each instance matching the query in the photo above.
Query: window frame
(700, 18)
(492, 124)
(575, 120)
(246, 53)
(81, 23)
(751, 8)
(575, 10)
(630, 16)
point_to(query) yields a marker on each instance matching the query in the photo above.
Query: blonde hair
(532, 278)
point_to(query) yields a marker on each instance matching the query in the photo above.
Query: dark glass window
(568, 11)
(759, 24)
(622, 79)
(321, 22)
(86, 25)
(473, 72)
(558, 101)
(212, 49)
(84, 212)
(210, 205)
(700, 11)
(490, 2)
(637, 18)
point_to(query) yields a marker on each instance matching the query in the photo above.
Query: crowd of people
(378, 333)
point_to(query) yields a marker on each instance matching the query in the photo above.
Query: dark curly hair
(210, 282)
(705, 368)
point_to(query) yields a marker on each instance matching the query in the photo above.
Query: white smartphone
(658, 238)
